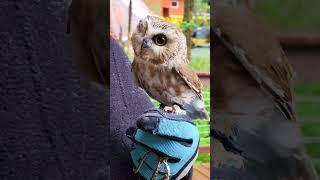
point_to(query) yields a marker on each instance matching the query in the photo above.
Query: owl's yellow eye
(160, 39)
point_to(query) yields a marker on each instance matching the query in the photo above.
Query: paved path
(201, 171)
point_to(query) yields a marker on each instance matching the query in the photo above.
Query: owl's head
(158, 42)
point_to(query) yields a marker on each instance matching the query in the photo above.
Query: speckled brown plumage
(162, 69)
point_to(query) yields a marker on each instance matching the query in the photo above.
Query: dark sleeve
(52, 123)
(127, 102)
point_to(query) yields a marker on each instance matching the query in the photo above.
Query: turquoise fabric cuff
(184, 130)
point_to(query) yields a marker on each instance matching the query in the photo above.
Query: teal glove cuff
(163, 142)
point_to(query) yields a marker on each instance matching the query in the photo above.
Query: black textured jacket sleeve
(52, 123)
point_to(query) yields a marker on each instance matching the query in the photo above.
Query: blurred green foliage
(290, 15)
(188, 25)
(201, 6)
(203, 158)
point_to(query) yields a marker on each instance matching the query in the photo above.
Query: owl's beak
(146, 43)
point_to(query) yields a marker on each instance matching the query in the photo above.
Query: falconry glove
(165, 145)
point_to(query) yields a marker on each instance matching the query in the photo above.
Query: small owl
(160, 67)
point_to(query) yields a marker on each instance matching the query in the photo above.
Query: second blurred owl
(160, 67)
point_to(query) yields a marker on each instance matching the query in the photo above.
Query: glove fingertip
(131, 131)
(149, 124)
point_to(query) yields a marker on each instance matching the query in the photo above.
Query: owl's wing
(190, 78)
(262, 57)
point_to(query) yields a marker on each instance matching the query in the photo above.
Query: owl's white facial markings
(155, 40)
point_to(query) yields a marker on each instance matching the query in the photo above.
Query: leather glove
(165, 145)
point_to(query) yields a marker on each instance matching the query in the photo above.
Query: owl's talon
(168, 109)
(177, 109)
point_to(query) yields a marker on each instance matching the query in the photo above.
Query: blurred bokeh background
(296, 24)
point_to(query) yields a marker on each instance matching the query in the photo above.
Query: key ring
(161, 160)
(167, 175)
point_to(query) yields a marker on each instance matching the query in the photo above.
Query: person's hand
(165, 145)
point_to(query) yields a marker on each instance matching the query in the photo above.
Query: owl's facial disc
(158, 45)
(155, 40)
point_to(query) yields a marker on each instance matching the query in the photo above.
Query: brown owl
(160, 67)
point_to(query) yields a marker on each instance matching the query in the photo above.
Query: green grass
(155, 103)
(204, 129)
(203, 158)
(307, 109)
(290, 15)
(307, 88)
(206, 97)
(200, 59)
(313, 150)
(311, 130)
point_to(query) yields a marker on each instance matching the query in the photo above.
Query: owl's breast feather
(161, 83)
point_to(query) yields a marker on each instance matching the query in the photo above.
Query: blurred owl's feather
(268, 65)
(254, 120)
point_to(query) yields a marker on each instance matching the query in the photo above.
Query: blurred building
(166, 8)
(172, 8)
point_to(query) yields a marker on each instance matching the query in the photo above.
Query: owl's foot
(174, 109)
(168, 109)
(177, 109)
